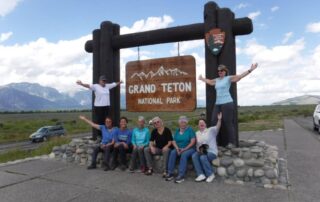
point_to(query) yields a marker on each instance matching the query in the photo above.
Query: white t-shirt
(208, 136)
(102, 94)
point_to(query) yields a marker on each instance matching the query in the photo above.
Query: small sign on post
(165, 84)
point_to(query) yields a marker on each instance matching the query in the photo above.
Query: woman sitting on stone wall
(206, 150)
(184, 141)
(122, 144)
(140, 140)
(160, 143)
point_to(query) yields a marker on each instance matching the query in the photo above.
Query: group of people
(201, 146)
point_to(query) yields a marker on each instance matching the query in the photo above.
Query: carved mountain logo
(215, 39)
(159, 73)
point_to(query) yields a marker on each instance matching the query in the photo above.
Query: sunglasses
(220, 70)
(156, 122)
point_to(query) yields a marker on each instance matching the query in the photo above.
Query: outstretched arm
(83, 84)
(96, 126)
(219, 121)
(237, 78)
(211, 82)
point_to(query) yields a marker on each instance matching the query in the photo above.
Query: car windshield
(42, 130)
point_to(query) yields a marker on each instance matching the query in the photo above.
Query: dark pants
(107, 150)
(227, 132)
(123, 154)
(100, 114)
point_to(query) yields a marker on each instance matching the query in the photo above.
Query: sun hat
(102, 78)
(223, 68)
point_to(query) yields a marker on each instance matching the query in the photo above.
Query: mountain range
(300, 100)
(32, 96)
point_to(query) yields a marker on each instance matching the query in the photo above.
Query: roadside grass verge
(43, 149)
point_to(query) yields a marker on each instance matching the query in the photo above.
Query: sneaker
(169, 177)
(106, 168)
(179, 179)
(200, 178)
(131, 170)
(210, 178)
(149, 171)
(91, 167)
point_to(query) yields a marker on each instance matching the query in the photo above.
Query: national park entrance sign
(166, 84)
(107, 42)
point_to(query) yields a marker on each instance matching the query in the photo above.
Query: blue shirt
(140, 137)
(123, 136)
(107, 135)
(223, 90)
(183, 140)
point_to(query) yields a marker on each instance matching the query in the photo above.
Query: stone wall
(252, 162)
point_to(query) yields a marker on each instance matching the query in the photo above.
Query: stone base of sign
(252, 162)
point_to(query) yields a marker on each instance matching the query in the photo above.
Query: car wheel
(315, 128)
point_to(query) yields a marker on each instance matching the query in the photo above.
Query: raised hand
(79, 82)
(82, 117)
(201, 77)
(254, 66)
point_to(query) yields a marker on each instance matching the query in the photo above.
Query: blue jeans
(202, 163)
(183, 161)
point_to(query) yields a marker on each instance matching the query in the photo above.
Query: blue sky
(42, 41)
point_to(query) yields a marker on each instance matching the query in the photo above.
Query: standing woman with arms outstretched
(101, 101)
(224, 102)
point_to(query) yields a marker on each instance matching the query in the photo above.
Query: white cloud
(283, 72)
(5, 36)
(313, 27)
(254, 15)
(274, 8)
(7, 6)
(241, 5)
(150, 24)
(286, 38)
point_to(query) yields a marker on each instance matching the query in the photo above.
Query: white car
(316, 118)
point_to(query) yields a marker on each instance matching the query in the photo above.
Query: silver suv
(316, 119)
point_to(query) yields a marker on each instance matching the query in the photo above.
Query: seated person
(107, 142)
(202, 159)
(140, 139)
(184, 141)
(160, 143)
(122, 144)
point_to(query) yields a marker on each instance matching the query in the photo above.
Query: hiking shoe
(200, 178)
(179, 179)
(149, 171)
(131, 170)
(169, 177)
(123, 167)
(210, 178)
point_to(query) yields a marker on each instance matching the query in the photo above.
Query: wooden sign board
(165, 84)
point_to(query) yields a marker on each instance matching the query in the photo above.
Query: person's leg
(197, 164)
(94, 156)
(228, 119)
(133, 159)
(165, 155)
(122, 152)
(172, 161)
(115, 157)
(141, 158)
(148, 156)
(206, 163)
(184, 161)
(106, 159)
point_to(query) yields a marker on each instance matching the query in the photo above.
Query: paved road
(50, 180)
(28, 145)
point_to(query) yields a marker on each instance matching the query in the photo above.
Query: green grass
(45, 148)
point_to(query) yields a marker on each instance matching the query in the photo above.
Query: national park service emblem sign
(215, 40)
